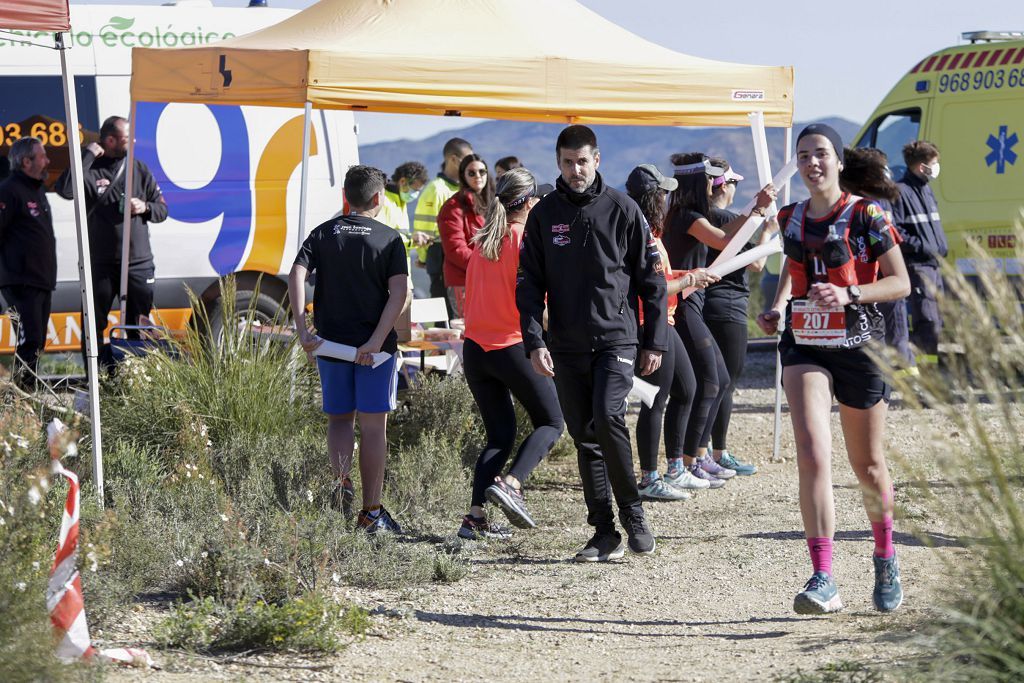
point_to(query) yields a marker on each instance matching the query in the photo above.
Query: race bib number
(816, 325)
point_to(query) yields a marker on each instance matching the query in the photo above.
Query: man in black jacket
(28, 252)
(589, 251)
(104, 172)
(916, 216)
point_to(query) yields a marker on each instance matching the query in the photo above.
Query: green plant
(977, 395)
(835, 672)
(311, 623)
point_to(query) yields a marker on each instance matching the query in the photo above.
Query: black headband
(827, 131)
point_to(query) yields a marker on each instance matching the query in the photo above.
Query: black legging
(492, 375)
(676, 386)
(731, 338)
(712, 377)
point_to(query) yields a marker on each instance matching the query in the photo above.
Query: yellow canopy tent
(538, 60)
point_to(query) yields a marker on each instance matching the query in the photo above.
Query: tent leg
(777, 446)
(84, 269)
(300, 233)
(126, 232)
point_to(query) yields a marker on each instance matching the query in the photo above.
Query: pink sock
(821, 554)
(882, 531)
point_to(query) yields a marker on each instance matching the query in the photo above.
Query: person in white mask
(916, 216)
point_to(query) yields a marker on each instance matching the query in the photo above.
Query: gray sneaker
(888, 593)
(657, 489)
(708, 464)
(744, 469)
(819, 596)
(700, 473)
(602, 547)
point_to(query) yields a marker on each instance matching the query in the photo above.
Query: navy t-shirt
(353, 257)
(685, 252)
(726, 300)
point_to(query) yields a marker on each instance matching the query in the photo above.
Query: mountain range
(622, 148)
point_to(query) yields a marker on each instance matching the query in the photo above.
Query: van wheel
(266, 311)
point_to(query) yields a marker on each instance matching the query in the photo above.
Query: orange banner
(41, 15)
(64, 331)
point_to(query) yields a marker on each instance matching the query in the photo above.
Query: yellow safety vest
(394, 214)
(432, 198)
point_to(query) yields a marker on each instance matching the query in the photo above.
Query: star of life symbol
(1002, 150)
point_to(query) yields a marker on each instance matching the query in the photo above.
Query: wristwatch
(854, 292)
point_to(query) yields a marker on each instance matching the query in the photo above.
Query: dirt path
(714, 602)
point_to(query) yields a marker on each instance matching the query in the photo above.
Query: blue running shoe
(888, 593)
(744, 469)
(819, 596)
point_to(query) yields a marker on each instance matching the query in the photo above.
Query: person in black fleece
(28, 253)
(588, 250)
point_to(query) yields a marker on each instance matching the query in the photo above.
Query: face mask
(409, 195)
(932, 171)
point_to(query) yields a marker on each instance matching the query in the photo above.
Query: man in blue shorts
(360, 289)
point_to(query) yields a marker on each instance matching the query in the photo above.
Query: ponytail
(514, 188)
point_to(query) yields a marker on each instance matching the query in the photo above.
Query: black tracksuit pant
(106, 286)
(592, 389)
(676, 387)
(32, 305)
(495, 377)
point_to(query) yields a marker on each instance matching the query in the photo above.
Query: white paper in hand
(329, 349)
(645, 391)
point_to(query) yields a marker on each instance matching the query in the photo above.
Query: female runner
(836, 243)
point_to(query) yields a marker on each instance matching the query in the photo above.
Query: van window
(889, 133)
(34, 105)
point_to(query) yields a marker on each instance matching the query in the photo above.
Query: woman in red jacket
(459, 219)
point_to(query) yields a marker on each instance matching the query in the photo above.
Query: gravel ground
(714, 602)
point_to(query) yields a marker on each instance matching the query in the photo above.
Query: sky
(847, 55)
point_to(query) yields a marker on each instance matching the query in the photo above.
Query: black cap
(827, 131)
(647, 177)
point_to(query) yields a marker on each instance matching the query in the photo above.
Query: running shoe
(479, 529)
(683, 479)
(819, 596)
(510, 501)
(641, 538)
(658, 489)
(744, 469)
(700, 473)
(888, 593)
(602, 547)
(708, 464)
(343, 496)
(382, 522)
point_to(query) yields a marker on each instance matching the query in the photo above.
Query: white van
(230, 174)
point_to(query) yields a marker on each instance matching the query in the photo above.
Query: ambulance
(230, 174)
(968, 100)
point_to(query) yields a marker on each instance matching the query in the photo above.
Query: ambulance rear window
(34, 105)
(889, 133)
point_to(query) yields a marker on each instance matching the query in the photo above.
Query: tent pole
(307, 123)
(300, 236)
(126, 232)
(787, 153)
(84, 266)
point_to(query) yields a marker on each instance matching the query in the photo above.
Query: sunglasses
(476, 174)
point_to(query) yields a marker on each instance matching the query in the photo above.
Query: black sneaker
(383, 522)
(511, 502)
(479, 529)
(602, 547)
(641, 538)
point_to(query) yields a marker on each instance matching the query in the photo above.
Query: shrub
(312, 624)
(982, 638)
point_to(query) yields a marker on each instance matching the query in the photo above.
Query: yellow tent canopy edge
(486, 58)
